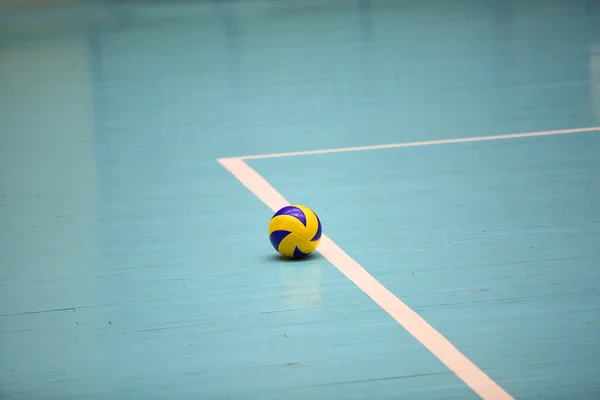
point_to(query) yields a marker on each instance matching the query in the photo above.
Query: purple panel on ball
(276, 238)
(294, 212)
(319, 231)
(298, 253)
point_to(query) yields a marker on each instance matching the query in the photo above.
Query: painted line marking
(434, 341)
(426, 143)
(420, 329)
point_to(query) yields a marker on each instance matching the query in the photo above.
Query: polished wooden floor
(134, 266)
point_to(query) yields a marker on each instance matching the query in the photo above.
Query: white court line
(426, 143)
(437, 344)
(434, 341)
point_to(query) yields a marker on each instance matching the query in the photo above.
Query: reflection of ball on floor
(300, 283)
(295, 231)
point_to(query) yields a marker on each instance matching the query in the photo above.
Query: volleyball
(295, 231)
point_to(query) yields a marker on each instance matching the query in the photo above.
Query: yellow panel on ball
(295, 231)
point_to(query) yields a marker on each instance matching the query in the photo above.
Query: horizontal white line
(426, 143)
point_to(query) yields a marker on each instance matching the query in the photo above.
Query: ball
(295, 231)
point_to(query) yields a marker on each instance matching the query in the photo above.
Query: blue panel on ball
(277, 236)
(294, 212)
(318, 234)
(298, 253)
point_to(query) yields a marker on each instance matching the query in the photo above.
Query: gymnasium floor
(458, 262)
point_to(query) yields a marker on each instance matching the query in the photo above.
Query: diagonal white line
(420, 329)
